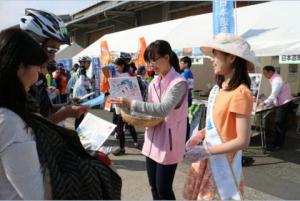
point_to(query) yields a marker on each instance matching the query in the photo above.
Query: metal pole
(235, 12)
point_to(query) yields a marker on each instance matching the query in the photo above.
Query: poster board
(127, 87)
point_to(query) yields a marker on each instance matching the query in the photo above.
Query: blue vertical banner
(223, 16)
(67, 63)
(96, 71)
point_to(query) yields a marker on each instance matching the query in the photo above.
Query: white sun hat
(232, 44)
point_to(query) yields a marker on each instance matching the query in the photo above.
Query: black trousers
(161, 179)
(120, 131)
(281, 123)
(188, 128)
(114, 117)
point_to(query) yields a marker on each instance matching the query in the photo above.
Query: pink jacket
(283, 93)
(165, 143)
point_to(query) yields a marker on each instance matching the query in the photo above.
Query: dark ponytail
(174, 61)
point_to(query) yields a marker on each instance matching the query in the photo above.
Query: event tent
(271, 28)
(67, 51)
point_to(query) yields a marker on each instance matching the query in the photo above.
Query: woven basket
(143, 121)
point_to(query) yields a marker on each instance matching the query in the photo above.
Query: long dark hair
(239, 77)
(161, 48)
(16, 48)
(122, 62)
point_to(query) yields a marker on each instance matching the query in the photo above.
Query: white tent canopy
(271, 28)
(67, 51)
(128, 40)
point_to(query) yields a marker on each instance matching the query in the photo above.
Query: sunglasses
(51, 50)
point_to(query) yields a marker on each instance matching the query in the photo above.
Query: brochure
(94, 131)
(95, 101)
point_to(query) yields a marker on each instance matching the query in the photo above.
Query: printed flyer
(127, 87)
(94, 131)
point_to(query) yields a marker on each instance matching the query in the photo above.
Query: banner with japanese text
(223, 16)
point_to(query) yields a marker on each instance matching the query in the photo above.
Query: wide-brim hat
(232, 44)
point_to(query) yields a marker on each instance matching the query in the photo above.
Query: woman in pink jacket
(167, 97)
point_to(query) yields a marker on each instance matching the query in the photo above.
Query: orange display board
(105, 60)
(140, 59)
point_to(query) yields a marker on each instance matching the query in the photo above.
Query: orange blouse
(227, 105)
(199, 184)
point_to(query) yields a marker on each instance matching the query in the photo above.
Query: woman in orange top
(229, 110)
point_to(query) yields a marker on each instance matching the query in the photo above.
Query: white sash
(226, 175)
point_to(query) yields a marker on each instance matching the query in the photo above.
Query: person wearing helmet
(85, 62)
(44, 25)
(50, 32)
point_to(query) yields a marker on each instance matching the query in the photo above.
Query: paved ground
(272, 176)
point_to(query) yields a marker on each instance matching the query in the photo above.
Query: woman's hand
(67, 111)
(121, 102)
(193, 141)
(197, 153)
(75, 111)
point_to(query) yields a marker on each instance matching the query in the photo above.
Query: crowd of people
(43, 160)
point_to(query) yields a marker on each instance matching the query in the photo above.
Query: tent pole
(235, 13)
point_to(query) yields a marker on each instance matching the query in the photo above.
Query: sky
(12, 10)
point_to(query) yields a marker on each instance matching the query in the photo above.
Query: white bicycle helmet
(85, 58)
(45, 25)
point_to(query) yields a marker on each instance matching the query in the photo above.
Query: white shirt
(276, 87)
(81, 86)
(20, 170)
(281, 92)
